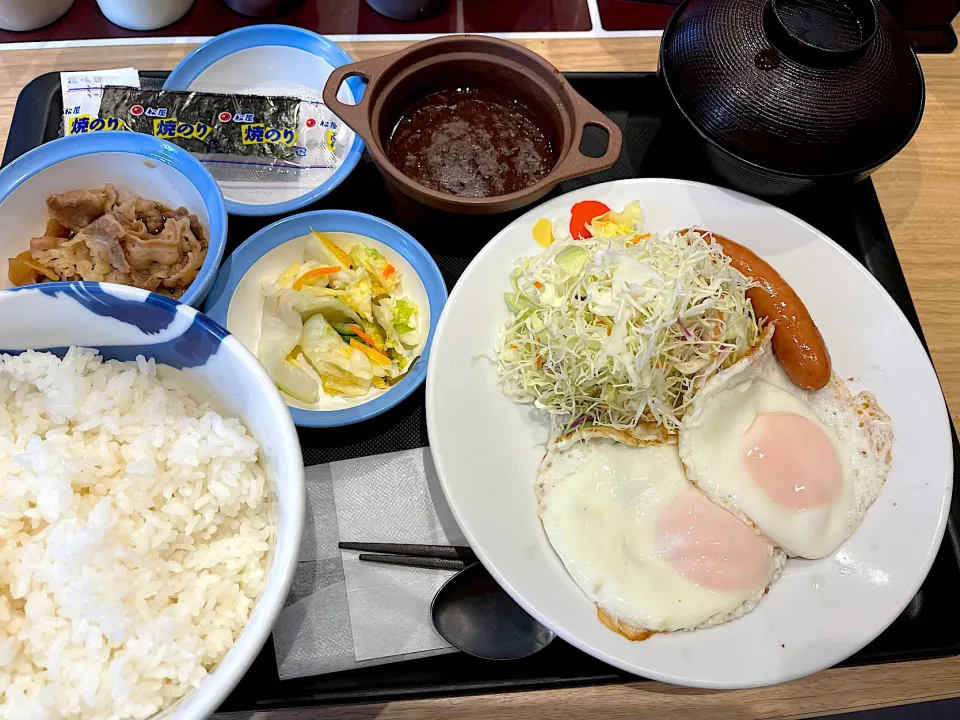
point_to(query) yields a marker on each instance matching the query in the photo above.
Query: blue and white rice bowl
(236, 299)
(122, 323)
(133, 163)
(275, 60)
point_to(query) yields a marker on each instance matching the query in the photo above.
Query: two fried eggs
(666, 534)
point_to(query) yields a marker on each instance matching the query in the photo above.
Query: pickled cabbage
(337, 321)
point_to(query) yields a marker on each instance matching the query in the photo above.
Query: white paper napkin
(342, 613)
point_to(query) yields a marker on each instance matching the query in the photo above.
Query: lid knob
(821, 33)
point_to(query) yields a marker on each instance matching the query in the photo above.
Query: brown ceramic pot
(395, 81)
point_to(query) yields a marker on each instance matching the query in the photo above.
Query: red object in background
(488, 16)
(633, 15)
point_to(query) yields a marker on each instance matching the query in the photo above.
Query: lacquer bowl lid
(802, 87)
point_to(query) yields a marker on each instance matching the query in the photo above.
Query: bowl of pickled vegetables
(339, 307)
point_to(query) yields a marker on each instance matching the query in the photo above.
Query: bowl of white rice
(151, 505)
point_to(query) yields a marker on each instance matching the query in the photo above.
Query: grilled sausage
(797, 342)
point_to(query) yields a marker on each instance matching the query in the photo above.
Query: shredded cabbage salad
(624, 326)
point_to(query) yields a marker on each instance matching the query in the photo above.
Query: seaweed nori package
(261, 149)
(210, 123)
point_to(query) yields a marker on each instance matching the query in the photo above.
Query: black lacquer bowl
(788, 93)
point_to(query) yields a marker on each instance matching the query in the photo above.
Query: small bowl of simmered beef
(112, 207)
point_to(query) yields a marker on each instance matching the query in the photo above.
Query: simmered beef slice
(135, 242)
(149, 212)
(76, 209)
(103, 238)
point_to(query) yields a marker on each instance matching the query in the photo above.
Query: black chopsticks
(435, 557)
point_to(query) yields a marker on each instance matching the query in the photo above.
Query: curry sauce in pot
(470, 142)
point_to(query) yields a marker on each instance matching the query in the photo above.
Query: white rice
(134, 534)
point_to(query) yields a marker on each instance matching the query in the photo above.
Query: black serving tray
(929, 627)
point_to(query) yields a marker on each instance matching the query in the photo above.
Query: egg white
(728, 404)
(599, 503)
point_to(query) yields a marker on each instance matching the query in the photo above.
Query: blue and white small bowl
(135, 164)
(277, 60)
(236, 300)
(123, 322)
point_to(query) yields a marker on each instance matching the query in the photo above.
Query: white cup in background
(31, 14)
(144, 14)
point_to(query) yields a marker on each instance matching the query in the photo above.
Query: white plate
(487, 448)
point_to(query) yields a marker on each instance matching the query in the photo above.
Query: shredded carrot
(374, 355)
(539, 362)
(363, 336)
(601, 323)
(538, 285)
(512, 346)
(342, 256)
(638, 238)
(717, 328)
(389, 271)
(309, 278)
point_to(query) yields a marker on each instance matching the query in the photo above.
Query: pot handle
(576, 163)
(356, 116)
